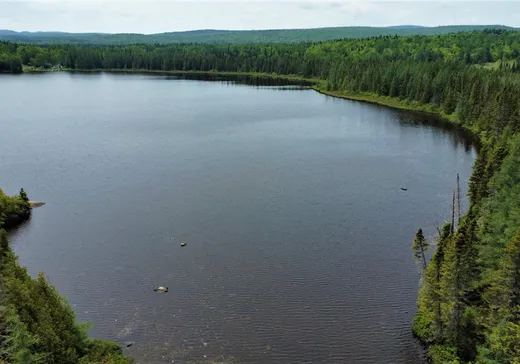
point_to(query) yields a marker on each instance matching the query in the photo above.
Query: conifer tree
(23, 195)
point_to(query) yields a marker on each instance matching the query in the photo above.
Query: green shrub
(13, 209)
(443, 354)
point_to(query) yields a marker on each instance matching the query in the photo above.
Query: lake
(298, 233)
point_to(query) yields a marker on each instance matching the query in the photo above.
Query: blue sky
(154, 16)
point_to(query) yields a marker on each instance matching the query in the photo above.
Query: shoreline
(388, 101)
(274, 76)
(398, 104)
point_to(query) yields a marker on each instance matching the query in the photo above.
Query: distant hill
(406, 26)
(235, 36)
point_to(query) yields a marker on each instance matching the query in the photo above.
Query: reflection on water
(457, 135)
(298, 232)
(241, 79)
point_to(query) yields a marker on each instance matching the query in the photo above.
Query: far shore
(317, 85)
(276, 76)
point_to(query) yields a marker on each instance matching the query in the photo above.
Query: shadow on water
(423, 120)
(457, 135)
(251, 80)
(241, 79)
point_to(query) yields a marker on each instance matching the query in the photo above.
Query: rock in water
(184, 243)
(35, 204)
(129, 343)
(161, 289)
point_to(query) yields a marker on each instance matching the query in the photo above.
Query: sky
(155, 16)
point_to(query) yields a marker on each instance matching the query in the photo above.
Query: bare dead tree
(458, 200)
(453, 212)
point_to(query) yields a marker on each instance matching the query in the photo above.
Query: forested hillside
(304, 59)
(469, 303)
(234, 36)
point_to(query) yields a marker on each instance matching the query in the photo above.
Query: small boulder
(35, 204)
(183, 244)
(161, 289)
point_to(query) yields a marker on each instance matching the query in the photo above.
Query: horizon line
(262, 29)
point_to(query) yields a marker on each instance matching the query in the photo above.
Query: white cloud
(154, 16)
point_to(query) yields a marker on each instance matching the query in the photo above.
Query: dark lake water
(298, 234)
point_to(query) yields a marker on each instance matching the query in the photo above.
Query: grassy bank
(392, 102)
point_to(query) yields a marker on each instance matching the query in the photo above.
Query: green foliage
(16, 340)
(10, 63)
(13, 210)
(23, 195)
(103, 352)
(501, 215)
(4, 244)
(37, 325)
(443, 354)
(421, 327)
(314, 60)
(503, 345)
(44, 312)
(429, 324)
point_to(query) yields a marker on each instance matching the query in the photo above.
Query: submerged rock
(161, 289)
(129, 343)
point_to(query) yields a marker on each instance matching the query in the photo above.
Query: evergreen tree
(4, 247)
(23, 195)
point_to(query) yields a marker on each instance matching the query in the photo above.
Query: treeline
(37, 325)
(10, 61)
(481, 100)
(469, 303)
(10, 64)
(305, 59)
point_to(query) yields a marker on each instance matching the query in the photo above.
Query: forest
(469, 302)
(233, 36)
(310, 60)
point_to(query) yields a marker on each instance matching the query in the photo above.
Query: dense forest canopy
(305, 59)
(234, 36)
(469, 303)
